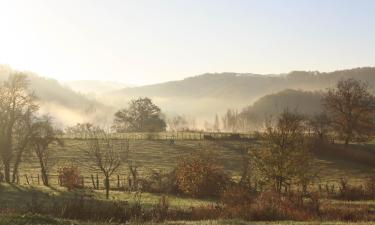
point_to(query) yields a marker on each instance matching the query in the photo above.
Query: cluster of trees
(346, 111)
(22, 130)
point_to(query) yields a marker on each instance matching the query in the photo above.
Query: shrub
(237, 201)
(70, 177)
(160, 182)
(199, 175)
(271, 205)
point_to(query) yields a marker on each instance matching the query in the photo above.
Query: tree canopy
(142, 115)
(351, 107)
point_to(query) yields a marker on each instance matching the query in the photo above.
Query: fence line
(183, 135)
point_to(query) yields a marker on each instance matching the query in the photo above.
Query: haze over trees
(142, 115)
(212, 93)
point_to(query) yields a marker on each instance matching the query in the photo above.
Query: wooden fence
(94, 181)
(167, 136)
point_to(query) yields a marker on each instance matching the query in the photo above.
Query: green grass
(20, 195)
(161, 155)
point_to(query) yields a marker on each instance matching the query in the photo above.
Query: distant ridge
(211, 93)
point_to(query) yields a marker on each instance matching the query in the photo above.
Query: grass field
(161, 155)
(154, 154)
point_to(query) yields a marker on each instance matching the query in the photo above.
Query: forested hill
(247, 86)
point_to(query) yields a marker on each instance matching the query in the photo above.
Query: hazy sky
(153, 41)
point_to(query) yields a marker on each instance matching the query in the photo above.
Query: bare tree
(178, 123)
(45, 135)
(17, 102)
(216, 126)
(283, 158)
(230, 120)
(24, 132)
(107, 154)
(351, 108)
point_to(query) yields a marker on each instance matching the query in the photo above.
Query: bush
(70, 177)
(237, 201)
(160, 182)
(199, 175)
(271, 205)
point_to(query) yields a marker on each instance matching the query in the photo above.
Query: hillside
(94, 86)
(65, 105)
(306, 102)
(204, 95)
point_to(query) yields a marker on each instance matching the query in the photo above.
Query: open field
(162, 155)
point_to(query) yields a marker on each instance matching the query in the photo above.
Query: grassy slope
(161, 155)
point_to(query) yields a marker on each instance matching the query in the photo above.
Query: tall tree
(44, 136)
(142, 115)
(17, 102)
(283, 159)
(351, 108)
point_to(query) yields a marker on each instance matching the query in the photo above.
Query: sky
(151, 41)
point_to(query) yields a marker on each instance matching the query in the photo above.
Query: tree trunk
(7, 156)
(43, 169)
(44, 177)
(16, 165)
(107, 187)
(7, 171)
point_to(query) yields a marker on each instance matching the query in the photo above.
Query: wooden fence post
(38, 180)
(93, 181)
(118, 181)
(27, 179)
(97, 181)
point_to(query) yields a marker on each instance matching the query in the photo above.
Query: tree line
(347, 112)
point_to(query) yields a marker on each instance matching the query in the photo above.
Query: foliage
(70, 177)
(351, 108)
(199, 175)
(160, 182)
(283, 159)
(142, 115)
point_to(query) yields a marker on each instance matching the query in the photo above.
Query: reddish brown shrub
(199, 175)
(237, 202)
(273, 206)
(70, 177)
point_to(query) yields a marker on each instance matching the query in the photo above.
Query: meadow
(162, 155)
